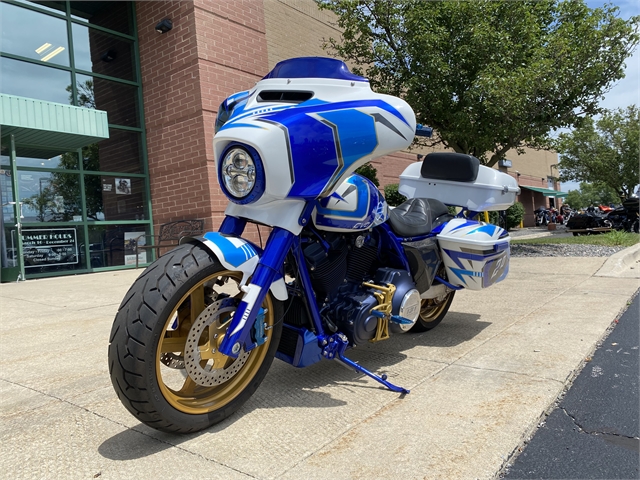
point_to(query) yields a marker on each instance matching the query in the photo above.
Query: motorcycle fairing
(239, 255)
(312, 130)
(321, 141)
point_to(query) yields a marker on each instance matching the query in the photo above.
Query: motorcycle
(542, 217)
(625, 217)
(197, 332)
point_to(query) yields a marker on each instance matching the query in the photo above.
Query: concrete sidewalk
(479, 384)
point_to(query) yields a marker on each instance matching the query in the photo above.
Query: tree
(488, 76)
(369, 171)
(604, 151)
(392, 196)
(591, 194)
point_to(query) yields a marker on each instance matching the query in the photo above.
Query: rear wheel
(432, 312)
(164, 357)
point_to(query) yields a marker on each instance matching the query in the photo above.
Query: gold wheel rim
(430, 311)
(190, 397)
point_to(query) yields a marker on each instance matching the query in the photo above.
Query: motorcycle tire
(432, 313)
(163, 350)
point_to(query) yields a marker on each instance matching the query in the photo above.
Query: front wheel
(164, 357)
(432, 312)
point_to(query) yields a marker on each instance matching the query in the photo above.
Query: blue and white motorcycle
(198, 330)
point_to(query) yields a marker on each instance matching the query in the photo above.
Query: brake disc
(207, 374)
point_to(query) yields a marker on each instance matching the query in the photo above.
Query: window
(32, 35)
(119, 100)
(120, 152)
(25, 79)
(99, 52)
(112, 15)
(83, 209)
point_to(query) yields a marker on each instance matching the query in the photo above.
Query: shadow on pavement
(287, 387)
(133, 444)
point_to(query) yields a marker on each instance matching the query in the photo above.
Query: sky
(626, 91)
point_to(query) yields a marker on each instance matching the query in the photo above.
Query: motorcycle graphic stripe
(355, 136)
(488, 228)
(233, 252)
(247, 304)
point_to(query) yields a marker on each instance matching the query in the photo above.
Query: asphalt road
(594, 430)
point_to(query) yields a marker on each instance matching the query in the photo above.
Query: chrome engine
(361, 299)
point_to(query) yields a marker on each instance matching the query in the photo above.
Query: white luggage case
(491, 190)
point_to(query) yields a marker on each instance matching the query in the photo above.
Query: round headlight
(238, 172)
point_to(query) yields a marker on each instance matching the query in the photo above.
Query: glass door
(11, 261)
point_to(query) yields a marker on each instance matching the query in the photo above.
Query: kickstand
(334, 347)
(361, 369)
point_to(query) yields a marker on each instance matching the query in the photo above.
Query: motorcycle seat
(418, 216)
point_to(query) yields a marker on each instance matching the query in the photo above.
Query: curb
(627, 260)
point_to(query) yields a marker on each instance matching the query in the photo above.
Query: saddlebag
(475, 254)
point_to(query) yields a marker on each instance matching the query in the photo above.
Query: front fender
(239, 255)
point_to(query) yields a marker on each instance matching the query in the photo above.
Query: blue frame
(280, 243)
(312, 346)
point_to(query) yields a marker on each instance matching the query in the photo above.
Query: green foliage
(513, 216)
(488, 76)
(392, 196)
(609, 239)
(369, 171)
(603, 152)
(590, 194)
(495, 219)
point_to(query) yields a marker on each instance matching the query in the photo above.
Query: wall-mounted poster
(45, 247)
(123, 186)
(130, 239)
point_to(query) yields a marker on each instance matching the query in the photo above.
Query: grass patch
(609, 239)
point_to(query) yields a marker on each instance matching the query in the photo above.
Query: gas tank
(355, 205)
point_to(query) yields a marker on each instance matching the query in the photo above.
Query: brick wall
(214, 49)
(296, 28)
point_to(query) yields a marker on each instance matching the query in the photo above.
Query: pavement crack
(595, 432)
(535, 377)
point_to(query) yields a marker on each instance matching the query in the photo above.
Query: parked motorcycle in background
(625, 217)
(196, 333)
(542, 216)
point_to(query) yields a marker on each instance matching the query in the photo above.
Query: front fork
(238, 334)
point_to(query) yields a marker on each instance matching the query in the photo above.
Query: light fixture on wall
(108, 56)
(164, 26)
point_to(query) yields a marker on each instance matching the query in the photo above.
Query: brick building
(160, 92)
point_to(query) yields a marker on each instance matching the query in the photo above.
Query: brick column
(214, 49)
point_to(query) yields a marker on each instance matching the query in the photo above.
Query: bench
(170, 235)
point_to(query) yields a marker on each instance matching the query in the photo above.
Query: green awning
(52, 126)
(547, 192)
